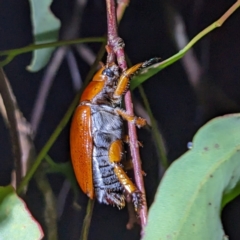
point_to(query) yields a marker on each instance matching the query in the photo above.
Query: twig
(71, 30)
(74, 71)
(122, 5)
(190, 62)
(47, 81)
(155, 131)
(50, 212)
(116, 45)
(86, 53)
(134, 147)
(62, 197)
(87, 220)
(11, 54)
(10, 109)
(25, 137)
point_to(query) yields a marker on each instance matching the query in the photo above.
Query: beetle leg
(129, 186)
(126, 139)
(125, 78)
(115, 151)
(124, 179)
(115, 156)
(115, 199)
(140, 122)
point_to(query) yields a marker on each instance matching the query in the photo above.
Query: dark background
(179, 108)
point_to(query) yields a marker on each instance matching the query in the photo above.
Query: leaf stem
(160, 66)
(17, 51)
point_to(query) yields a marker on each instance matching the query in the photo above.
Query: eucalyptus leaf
(45, 29)
(192, 192)
(16, 222)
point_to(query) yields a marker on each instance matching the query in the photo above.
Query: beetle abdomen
(107, 187)
(106, 129)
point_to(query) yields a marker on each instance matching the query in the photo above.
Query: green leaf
(16, 222)
(45, 29)
(196, 186)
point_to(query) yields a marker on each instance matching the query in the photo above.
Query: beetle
(96, 137)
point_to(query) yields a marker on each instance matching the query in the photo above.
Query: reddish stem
(137, 165)
(122, 4)
(115, 43)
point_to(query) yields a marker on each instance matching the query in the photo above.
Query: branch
(9, 103)
(122, 5)
(50, 211)
(116, 45)
(87, 220)
(47, 81)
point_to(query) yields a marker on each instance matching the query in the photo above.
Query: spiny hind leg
(129, 187)
(115, 199)
(115, 156)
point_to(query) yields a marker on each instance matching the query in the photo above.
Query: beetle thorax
(111, 74)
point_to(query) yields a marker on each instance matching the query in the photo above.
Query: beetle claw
(140, 122)
(115, 199)
(137, 199)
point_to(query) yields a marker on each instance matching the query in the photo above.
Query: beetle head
(107, 73)
(111, 71)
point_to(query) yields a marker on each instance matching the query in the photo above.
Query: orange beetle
(96, 137)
